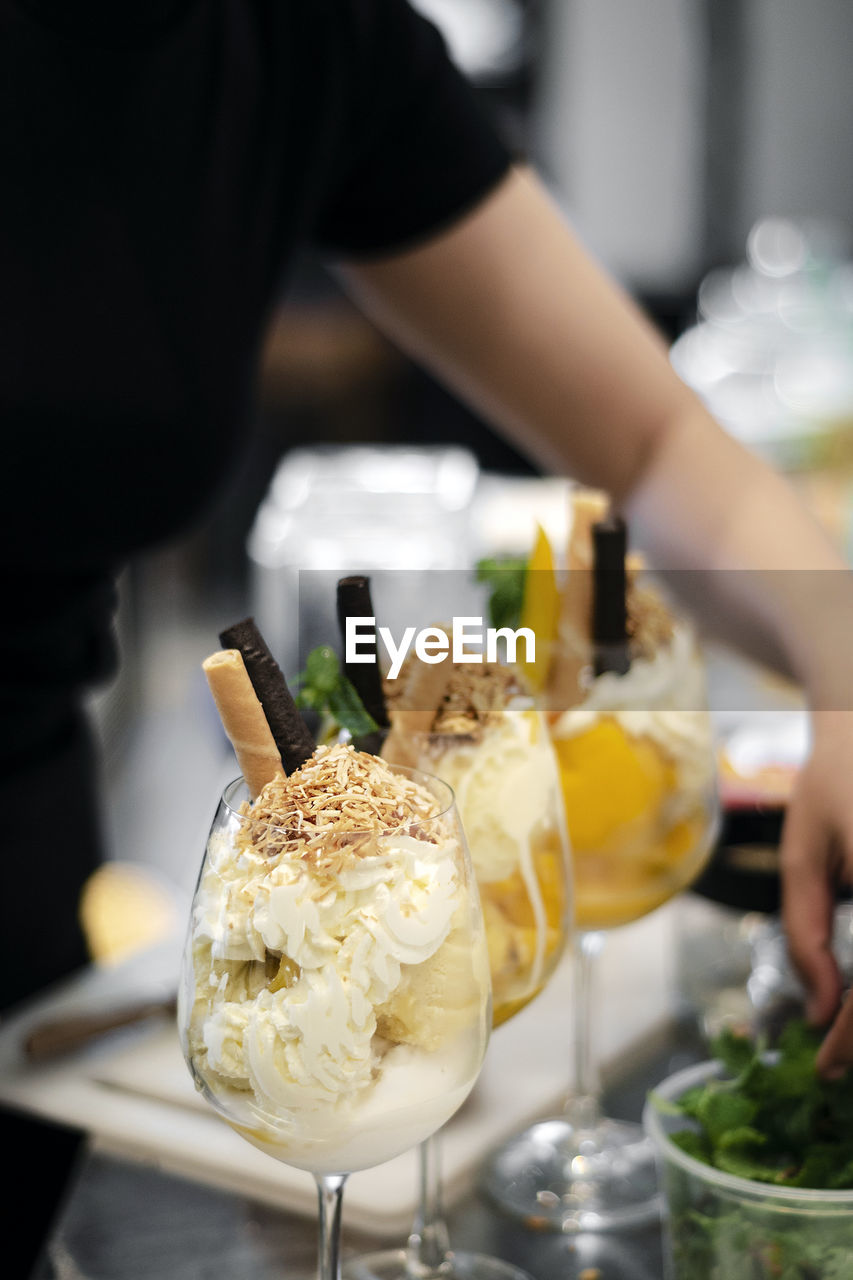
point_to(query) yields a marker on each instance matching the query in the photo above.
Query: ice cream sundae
(629, 722)
(335, 1001)
(475, 726)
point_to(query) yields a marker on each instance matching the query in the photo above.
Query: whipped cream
(664, 699)
(507, 787)
(412, 1097)
(504, 782)
(301, 1050)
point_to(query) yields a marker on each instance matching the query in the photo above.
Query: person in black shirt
(161, 162)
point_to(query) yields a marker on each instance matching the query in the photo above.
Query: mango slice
(540, 609)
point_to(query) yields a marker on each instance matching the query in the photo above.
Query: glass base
(557, 1177)
(397, 1264)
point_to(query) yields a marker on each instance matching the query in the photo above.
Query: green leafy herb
(324, 688)
(505, 579)
(770, 1119)
(775, 1114)
(736, 1052)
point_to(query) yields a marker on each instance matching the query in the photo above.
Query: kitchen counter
(126, 1220)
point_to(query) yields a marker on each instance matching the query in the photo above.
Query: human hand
(817, 858)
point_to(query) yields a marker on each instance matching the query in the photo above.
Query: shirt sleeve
(412, 148)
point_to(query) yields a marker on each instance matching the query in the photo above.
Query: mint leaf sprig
(323, 688)
(505, 578)
(774, 1120)
(771, 1120)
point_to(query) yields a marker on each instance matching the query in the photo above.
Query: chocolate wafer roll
(242, 718)
(609, 586)
(353, 601)
(289, 730)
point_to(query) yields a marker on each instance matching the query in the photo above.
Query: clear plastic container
(721, 1227)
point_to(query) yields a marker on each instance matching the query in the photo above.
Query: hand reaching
(817, 859)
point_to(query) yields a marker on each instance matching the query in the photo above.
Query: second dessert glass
(334, 1003)
(504, 774)
(638, 772)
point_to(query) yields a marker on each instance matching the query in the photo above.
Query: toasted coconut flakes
(319, 808)
(477, 693)
(650, 624)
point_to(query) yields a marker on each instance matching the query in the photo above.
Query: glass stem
(583, 1107)
(330, 1193)
(429, 1243)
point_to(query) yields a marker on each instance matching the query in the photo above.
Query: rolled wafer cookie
(589, 507)
(426, 685)
(242, 718)
(290, 732)
(573, 654)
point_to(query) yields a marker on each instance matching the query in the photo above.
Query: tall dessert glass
(492, 745)
(505, 776)
(334, 1004)
(638, 773)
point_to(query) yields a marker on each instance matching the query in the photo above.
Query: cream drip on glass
(491, 745)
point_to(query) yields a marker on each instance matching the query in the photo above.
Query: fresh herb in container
(756, 1159)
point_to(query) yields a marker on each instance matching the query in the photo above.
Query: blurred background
(701, 150)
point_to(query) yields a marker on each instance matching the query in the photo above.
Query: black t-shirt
(160, 161)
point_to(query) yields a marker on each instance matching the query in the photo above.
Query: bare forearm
(759, 569)
(509, 309)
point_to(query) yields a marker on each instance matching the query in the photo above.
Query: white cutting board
(132, 1091)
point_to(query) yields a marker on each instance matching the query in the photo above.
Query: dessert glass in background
(633, 738)
(473, 726)
(489, 742)
(335, 1003)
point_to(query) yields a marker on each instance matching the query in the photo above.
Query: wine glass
(334, 1003)
(507, 788)
(638, 770)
